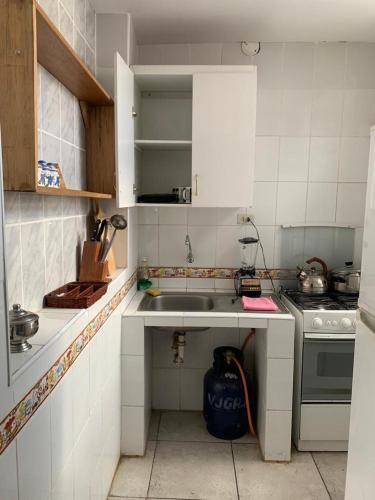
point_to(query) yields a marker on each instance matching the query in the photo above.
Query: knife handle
(101, 229)
(95, 230)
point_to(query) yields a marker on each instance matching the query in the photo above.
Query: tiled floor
(184, 462)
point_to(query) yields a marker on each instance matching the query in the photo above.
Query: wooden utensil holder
(91, 268)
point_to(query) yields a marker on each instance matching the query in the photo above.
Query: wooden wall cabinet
(28, 37)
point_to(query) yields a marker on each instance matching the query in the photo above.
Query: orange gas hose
(250, 334)
(247, 401)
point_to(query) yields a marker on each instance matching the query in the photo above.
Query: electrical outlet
(244, 219)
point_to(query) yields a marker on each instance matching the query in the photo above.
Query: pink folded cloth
(259, 304)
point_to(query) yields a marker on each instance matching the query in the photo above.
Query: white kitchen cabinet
(224, 105)
(186, 126)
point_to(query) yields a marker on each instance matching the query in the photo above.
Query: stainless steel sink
(200, 302)
(180, 302)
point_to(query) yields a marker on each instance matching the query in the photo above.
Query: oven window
(334, 364)
(327, 370)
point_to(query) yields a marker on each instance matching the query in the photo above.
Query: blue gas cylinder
(224, 403)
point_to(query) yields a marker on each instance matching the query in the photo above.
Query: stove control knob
(346, 324)
(317, 323)
(354, 324)
(328, 323)
(334, 323)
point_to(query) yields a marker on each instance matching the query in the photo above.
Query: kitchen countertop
(57, 324)
(223, 307)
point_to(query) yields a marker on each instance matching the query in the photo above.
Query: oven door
(327, 369)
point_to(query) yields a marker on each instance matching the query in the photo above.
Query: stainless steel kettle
(312, 280)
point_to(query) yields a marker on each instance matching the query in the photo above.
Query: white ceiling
(182, 21)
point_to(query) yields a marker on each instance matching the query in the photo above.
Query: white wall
(181, 387)
(70, 447)
(115, 33)
(316, 103)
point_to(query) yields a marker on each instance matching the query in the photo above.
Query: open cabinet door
(124, 133)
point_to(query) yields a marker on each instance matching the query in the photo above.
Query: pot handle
(319, 261)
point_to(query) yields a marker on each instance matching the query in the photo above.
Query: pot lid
(19, 316)
(347, 269)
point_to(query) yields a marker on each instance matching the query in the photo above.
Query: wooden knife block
(91, 268)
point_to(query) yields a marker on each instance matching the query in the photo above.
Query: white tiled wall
(75, 432)
(69, 449)
(44, 234)
(181, 388)
(316, 103)
(214, 235)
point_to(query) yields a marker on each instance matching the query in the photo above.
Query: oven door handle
(330, 336)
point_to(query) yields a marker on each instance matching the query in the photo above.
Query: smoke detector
(250, 48)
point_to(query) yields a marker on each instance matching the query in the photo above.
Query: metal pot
(23, 325)
(311, 280)
(346, 279)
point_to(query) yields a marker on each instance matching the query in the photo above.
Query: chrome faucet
(189, 257)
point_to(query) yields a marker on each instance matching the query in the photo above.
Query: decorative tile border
(216, 273)
(22, 412)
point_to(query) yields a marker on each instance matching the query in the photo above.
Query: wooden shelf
(72, 193)
(149, 145)
(56, 56)
(33, 38)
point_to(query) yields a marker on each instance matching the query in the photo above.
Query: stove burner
(324, 302)
(350, 302)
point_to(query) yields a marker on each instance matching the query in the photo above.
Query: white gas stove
(324, 353)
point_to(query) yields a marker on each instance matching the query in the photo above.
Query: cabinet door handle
(134, 113)
(196, 184)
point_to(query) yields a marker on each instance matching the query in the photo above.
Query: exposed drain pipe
(178, 347)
